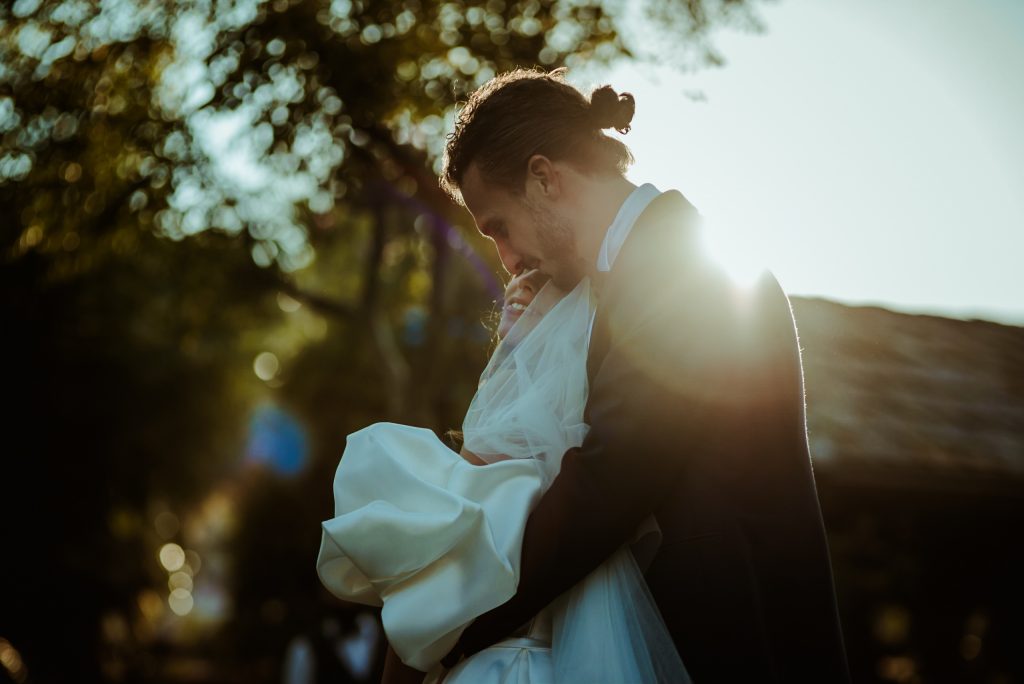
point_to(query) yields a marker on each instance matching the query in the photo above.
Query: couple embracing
(634, 501)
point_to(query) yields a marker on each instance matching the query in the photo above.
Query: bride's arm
(471, 457)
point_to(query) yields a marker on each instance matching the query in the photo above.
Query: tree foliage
(255, 118)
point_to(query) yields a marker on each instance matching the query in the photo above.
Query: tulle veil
(529, 405)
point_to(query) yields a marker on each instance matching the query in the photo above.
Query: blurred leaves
(248, 116)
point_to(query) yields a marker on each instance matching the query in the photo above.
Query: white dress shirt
(619, 230)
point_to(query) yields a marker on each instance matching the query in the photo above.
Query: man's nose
(528, 281)
(510, 259)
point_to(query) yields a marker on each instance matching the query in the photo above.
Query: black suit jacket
(696, 409)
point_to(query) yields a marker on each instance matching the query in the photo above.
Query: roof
(908, 391)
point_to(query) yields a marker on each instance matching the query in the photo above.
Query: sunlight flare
(741, 259)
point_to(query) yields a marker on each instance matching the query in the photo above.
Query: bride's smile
(520, 291)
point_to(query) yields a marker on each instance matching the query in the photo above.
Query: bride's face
(518, 294)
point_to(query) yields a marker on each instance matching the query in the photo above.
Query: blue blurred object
(277, 440)
(414, 326)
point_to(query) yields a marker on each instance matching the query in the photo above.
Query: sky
(870, 152)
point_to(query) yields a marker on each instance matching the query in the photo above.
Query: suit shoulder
(664, 281)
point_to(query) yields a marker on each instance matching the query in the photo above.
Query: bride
(434, 537)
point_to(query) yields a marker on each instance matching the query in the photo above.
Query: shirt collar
(620, 228)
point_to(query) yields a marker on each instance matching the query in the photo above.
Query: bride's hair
(526, 112)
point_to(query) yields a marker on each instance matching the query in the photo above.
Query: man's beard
(557, 244)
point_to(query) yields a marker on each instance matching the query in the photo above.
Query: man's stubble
(559, 253)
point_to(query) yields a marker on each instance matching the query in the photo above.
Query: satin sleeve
(430, 538)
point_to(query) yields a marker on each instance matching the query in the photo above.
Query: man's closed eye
(496, 230)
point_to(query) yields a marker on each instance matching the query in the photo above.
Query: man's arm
(397, 672)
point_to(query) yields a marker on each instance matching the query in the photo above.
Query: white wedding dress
(435, 541)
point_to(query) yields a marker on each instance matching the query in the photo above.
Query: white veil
(532, 392)
(530, 405)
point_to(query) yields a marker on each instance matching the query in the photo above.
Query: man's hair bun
(609, 109)
(524, 112)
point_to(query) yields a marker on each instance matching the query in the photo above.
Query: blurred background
(224, 248)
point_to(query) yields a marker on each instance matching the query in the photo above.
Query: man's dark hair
(525, 112)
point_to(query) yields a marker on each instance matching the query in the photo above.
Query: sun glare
(740, 259)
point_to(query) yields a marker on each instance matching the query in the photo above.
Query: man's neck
(604, 199)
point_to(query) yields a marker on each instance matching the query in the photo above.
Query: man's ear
(543, 176)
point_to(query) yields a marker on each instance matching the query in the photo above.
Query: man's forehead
(475, 192)
(482, 201)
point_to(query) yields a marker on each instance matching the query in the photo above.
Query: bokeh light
(150, 605)
(180, 601)
(166, 524)
(193, 562)
(266, 366)
(12, 662)
(287, 304)
(180, 580)
(172, 557)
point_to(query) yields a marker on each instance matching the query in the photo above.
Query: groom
(696, 401)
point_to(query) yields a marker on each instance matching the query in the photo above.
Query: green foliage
(249, 117)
